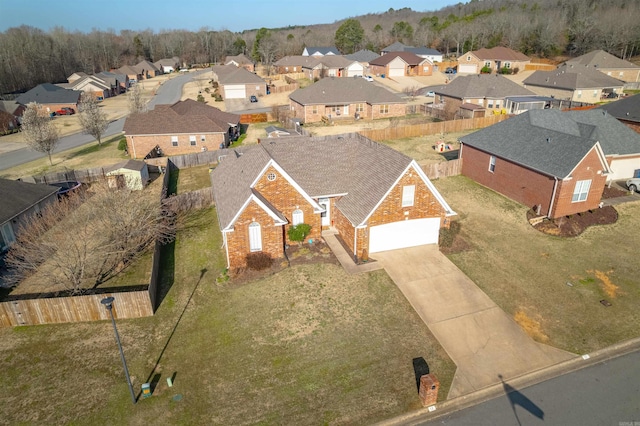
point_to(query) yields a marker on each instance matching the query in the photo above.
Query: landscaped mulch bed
(573, 225)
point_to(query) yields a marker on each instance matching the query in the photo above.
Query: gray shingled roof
(17, 197)
(551, 141)
(344, 90)
(422, 51)
(186, 116)
(48, 93)
(627, 109)
(600, 59)
(492, 86)
(145, 65)
(127, 70)
(395, 47)
(408, 57)
(230, 74)
(572, 77)
(296, 60)
(363, 170)
(323, 50)
(363, 55)
(136, 165)
(500, 53)
(240, 59)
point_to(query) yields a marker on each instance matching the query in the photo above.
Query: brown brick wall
(285, 198)
(370, 112)
(140, 146)
(344, 227)
(238, 240)
(395, 110)
(531, 188)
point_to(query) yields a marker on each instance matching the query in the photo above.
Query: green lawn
(308, 345)
(551, 285)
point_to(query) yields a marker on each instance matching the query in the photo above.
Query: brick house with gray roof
(50, 97)
(398, 64)
(345, 98)
(238, 83)
(487, 91)
(575, 82)
(20, 201)
(375, 198)
(495, 59)
(552, 161)
(610, 65)
(241, 61)
(181, 128)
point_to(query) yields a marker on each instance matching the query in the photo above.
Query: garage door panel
(235, 92)
(396, 72)
(408, 233)
(624, 168)
(471, 69)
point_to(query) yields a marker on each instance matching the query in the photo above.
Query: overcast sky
(158, 15)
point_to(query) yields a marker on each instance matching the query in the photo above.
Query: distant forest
(542, 28)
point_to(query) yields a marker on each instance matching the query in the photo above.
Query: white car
(368, 78)
(431, 94)
(633, 184)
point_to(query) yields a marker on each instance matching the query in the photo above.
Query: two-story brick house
(375, 198)
(184, 127)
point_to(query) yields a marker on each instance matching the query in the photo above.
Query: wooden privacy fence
(253, 118)
(133, 304)
(441, 127)
(192, 200)
(84, 176)
(539, 67)
(443, 169)
(285, 88)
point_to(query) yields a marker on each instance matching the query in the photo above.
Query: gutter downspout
(133, 145)
(553, 196)
(226, 246)
(355, 248)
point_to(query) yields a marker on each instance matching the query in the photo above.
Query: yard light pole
(108, 303)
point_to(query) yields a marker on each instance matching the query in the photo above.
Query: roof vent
(548, 140)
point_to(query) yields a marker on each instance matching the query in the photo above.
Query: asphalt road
(607, 393)
(168, 93)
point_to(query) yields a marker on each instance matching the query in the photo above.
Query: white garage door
(235, 91)
(407, 233)
(396, 71)
(355, 70)
(467, 69)
(623, 169)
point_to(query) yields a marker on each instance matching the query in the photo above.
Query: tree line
(545, 28)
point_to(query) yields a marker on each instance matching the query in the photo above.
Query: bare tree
(411, 91)
(137, 104)
(111, 228)
(38, 130)
(92, 118)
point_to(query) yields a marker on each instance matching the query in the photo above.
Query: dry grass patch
(531, 326)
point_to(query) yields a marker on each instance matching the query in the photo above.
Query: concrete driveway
(480, 338)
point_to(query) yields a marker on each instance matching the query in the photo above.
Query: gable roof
(615, 138)
(571, 77)
(167, 62)
(395, 47)
(599, 59)
(627, 109)
(145, 65)
(10, 107)
(331, 50)
(90, 80)
(422, 51)
(362, 171)
(295, 60)
(135, 165)
(240, 59)
(186, 116)
(48, 93)
(549, 141)
(344, 90)
(111, 77)
(494, 86)
(363, 55)
(408, 57)
(499, 53)
(127, 70)
(17, 197)
(230, 74)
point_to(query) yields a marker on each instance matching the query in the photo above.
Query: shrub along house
(552, 161)
(185, 127)
(375, 198)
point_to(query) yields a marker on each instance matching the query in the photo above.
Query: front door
(326, 215)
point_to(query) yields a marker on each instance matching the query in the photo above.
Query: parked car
(65, 111)
(450, 70)
(431, 94)
(368, 78)
(253, 98)
(633, 184)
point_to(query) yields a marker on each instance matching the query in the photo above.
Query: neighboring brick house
(133, 75)
(487, 91)
(345, 98)
(320, 51)
(147, 70)
(185, 127)
(363, 57)
(292, 64)
(626, 110)
(552, 161)
(118, 82)
(241, 61)
(92, 84)
(610, 65)
(317, 67)
(575, 82)
(495, 59)
(167, 65)
(238, 83)
(398, 64)
(375, 198)
(50, 97)
(424, 52)
(10, 115)
(20, 201)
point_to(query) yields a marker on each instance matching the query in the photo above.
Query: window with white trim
(581, 191)
(297, 217)
(487, 64)
(507, 65)
(408, 195)
(174, 141)
(192, 140)
(359, 107)
(202, 138)
(255, 237)
(492, 163)
(384, 109)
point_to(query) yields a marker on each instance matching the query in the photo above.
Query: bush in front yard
(122, 144)
(299, 232)
(258, 260)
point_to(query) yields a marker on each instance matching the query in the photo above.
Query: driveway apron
(479, 337)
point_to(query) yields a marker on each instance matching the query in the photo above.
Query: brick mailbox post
(429, 386)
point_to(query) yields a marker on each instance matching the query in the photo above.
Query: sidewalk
(344, 258)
